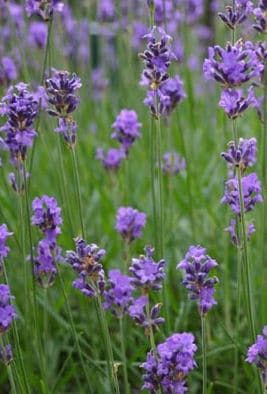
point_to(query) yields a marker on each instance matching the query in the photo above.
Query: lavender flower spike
(243, 156)
(4, 234)
(174, 362)
(146, 272)
(85, 261)
(197, 265)
(261, 17)
(43, 8)
(257, 354)
(138, 313)
(172, 163)
(126, 129)
(7, 311)
(130, 223)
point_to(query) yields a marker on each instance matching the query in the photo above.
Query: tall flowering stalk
(197, 265)
(91, 282)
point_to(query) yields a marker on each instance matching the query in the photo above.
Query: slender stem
(124, 359)
(73, 329)
(152, 178)
(204, 354)
(159, 190)
(78, 189)
(114, 384)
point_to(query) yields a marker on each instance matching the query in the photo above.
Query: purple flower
(130, 223)
(235, 16)
(4, 234)
(113, 158)
(6, 355)
(243, 156)
(138, 312)
(21, 109)
(47, 216)
(251, 188)
(232, 230)
(232, 66)
(99, 84)
(106, 10)
(173, 93)
(45, 270)
(68, 129)
(8, 71)
(118, 293)
(85, 261)
(197, 265)
(173, 163)
(7, 311)
(43, 8)
(147, 273)
(257, 354)
(126, 128)
(234, 103)
(169, 370)
(261, 17)
(38, 34)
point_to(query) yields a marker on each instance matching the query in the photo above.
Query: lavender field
(133, 184)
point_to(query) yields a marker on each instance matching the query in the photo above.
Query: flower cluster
(146, 272)
(162, 97)
(242, 156)
(261, 17)
(113, 158)
(237, 15)
(126, 129)
(148, 319)
(197, 265)
(169, 370)
(130, 223)
(47, 217)
(85, 261)
(118, 293)
(8, 70)
(257, 354)
(43, 8)
(21, 110)
(4, 234)
(173, 163)
(61, 90)
(7, 315)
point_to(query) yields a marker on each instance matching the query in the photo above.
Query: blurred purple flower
(6, 355)
(173, 163)
(130, 223)
(7, 311)
(237, 15)
(147, 273)
(8, 71)
(197, 265)
(99, 84)
(43, 8)
(257, 354)
(169, 369)
(251, 188)
(113, 158)
(126, 128)
(38, 34)
(261, 17)
(118, 293)
(4, 234)
(85, 261)
(106, 10)
(232, 230)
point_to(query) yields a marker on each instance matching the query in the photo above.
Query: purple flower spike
(126, 128)
(251, 187)
(118, 293)
(243, 156)
(130, 223)
(43, 8)
(45, 263)
(261, 17)
(4, 234)
(232, 230)
(232, 66)
(233, 17)
(8, 71)
(47, 216)
(85, 261)
(197, 265)
(234, 103)
(169, 370)
(147, 274)
(7, 311)
(21, 110)
(138, 313)
(173, 163)
(257, 354)
(172, 93)
(113, 158)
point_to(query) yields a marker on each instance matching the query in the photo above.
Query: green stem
(124, 359)
(204, 355)
(78, 189)
(152, 178)
(73, 329)
(114, 384)
(9, 372)
(159, 190)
